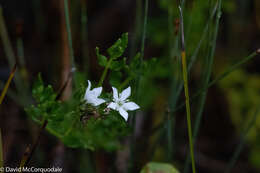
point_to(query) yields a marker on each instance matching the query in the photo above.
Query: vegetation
(107, 83)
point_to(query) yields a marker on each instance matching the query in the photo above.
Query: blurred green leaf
(154, 167)
(118, 65)
(118, 48)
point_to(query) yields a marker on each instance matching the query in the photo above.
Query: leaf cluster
(75, 122)
(119, 68)
(79, 124)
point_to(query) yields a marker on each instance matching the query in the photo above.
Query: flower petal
(98, 101)
(123, 113)
(89, 85)
(87, 95)
(130, 106)
(89, 98)
(115, 94)
(112, 105)
(97, 91)
(125, 94)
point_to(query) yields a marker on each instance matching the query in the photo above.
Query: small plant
(91, 119)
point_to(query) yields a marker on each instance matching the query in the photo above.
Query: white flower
(91, 96)
(121, 103)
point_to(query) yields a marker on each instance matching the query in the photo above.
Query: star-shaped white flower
(121, 103)
(91, 96)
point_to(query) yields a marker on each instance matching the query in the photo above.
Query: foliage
(48, 108)
(154, 167)
(119, 69)
(77, 123)
(243, 97)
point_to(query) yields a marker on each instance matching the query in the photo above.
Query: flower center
(120, 103)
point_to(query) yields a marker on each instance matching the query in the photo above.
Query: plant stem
(67, 18)
(7, 84)
(208, 71)
(101, 80)
(186, 91)
(219, 78)
(213, 82)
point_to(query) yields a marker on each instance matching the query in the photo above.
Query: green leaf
(118, 65)
(47, 107)
(155, 167)
(118, 48)
(102, 60)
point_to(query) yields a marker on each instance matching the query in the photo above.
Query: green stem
(67, 18)
(207, 72)
(220, 77)
(186, 91)
(213, 82)
(195, 54)
(104, 74)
